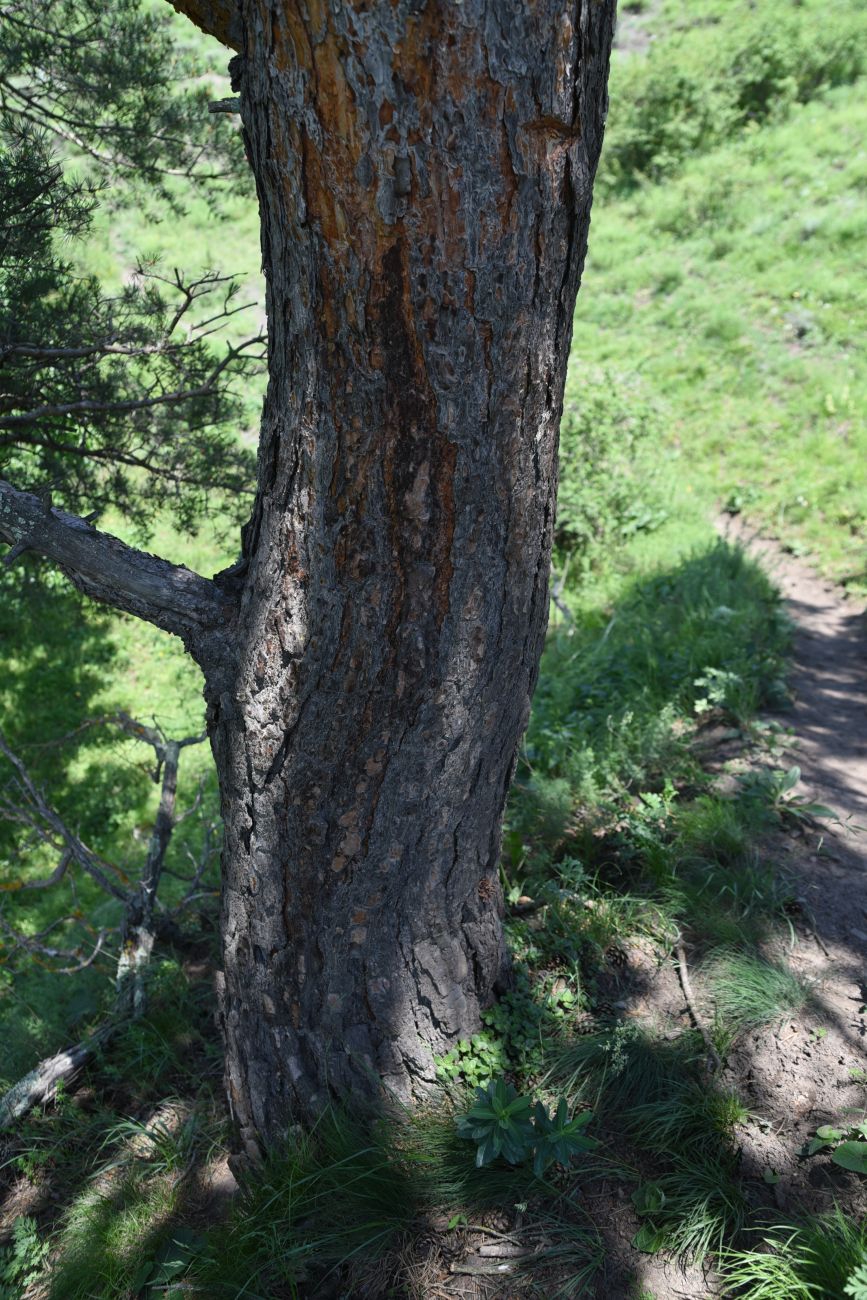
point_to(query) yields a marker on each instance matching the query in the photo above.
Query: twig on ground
(713, 1054)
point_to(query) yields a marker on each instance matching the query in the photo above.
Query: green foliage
(559, 1138)
(473, 1060)
(822, 1256)
(856, 1283)
(655, 1094)
(614, 695)
(343, 1196)
(690, 93)
(727, 291)
(848, 1145)
(112, 398)
(504, 1124)
(117, 400)
(604, 494)
(748, 990)
(500, 1123)
(774, 790)
(115, 1235)
(21, 1262)
(693, 1210)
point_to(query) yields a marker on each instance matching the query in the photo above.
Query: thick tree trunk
(424, 173)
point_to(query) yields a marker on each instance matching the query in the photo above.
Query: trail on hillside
(813, 1072)
(810, 1070)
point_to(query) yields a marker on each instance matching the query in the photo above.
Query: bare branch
(140, 927)
(85, 858)
(13, 886)
(105, 568)
(33, 946)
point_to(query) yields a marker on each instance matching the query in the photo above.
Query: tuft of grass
(699, 1207)
(825, 1256)
(691, 1118)
(749, 991)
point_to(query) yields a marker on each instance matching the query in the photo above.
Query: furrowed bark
(105, 568)
(219, 18)
(424, 174)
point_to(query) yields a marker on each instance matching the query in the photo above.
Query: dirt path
(811, 1070)
(807, 1073)
(829, 680)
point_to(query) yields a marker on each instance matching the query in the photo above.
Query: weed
(692, 1211)
(774, 791)
(341, 1198)
(848, 1145)
(22, 1261)
(502, 1123)
(473, 1060)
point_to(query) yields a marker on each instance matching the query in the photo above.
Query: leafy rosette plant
(557, 1137)
(502, 1123)
(499, 1123)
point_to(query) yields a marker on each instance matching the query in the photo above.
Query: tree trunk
(424, 175)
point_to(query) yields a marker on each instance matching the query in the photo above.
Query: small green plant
(749, 991)
(504, 1124)
(773, 789)
(823, 1256)
(848, 1145)
(721, 689)
(692, 1210)
(473, 1060)
(21, 1263)
(856, 1283)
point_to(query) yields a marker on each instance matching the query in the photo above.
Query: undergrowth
(826, 1256)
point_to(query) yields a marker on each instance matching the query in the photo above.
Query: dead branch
(140, 926)
(713, 1054)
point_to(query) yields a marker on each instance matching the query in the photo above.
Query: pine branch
(106, 569)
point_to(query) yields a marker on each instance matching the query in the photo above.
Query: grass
(653, 1100)
(726, 297)
(749, 991)
(826, 1256)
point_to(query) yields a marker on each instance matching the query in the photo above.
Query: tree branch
(105, 568)
(219, 18)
